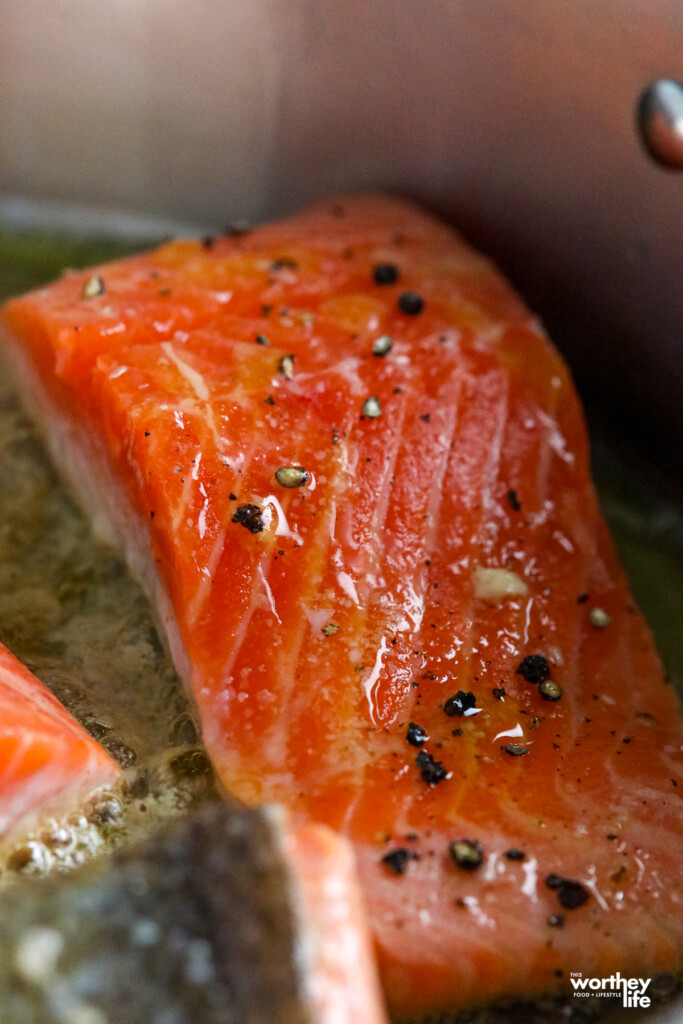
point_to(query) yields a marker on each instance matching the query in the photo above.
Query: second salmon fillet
(352, 474)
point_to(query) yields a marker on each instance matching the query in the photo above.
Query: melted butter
(71, 612)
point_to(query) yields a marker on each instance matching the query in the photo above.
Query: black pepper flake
(262, 340)
(514, 854)
(284, 263)
(582, 598)
(534, 668)
(330, 629)
(515, 749)
(385, 273)
(425, 417)
(266, 310)
(147, 433)
(335, 438)
(498, 692)
(513, 501)
(432, 771)
(397, 860)
(571, 894)
(269, 400)
(232, 497)
(249, 516)
(456, 732)
(556, 920)
(208, 242)
(411, 303)
(467, 853)
(416, 735)
(460, 703)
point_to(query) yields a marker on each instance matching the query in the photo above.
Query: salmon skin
(47, 760)
(353, 475)
(223, 917)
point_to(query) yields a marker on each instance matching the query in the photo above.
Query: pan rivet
(660, 122)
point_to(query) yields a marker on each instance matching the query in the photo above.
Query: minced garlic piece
(497, 584)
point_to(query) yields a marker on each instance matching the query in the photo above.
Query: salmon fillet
(47, 760)
(353, 475)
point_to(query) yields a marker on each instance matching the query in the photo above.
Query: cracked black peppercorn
(534, 668)
(249, 516)
(513, 501)
(571, 894)
(385, 273)
(432, 771)
(411, 303)
(397, 860)
(515, 749)
(514, 854)
(460, 703)
(416, 735)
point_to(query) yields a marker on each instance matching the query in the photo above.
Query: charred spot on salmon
(411, 303)
(598, 618)
(93, 288)
(467, 853)
(515, 749)
(262, 340)
(513, 501)
(534, 668)
(397, 860)
(382, 345)
(549, 690)
(514, 854)
(330, 629)
(461, 702)
(431, 771)
(498, 692)
(249, 516)
(371, 408)
(416, 735)
(385, 273)
(291, 476)
(286, 367)
(571, 894)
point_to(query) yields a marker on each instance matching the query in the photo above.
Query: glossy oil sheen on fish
(423, 639)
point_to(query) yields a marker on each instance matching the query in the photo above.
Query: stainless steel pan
(515, 118)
